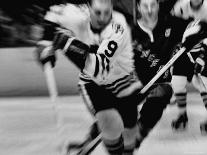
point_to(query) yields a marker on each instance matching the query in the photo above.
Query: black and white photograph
(103, 77)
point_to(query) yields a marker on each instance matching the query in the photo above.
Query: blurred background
(21, 21)
(21, 26)
(28, 125)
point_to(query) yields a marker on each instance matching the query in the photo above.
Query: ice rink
(28, 120)
(28, 126)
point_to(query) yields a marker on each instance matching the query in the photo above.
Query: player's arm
(43, 51)
(84, 57)
(194, 40)
(73, 48)
(195, 32)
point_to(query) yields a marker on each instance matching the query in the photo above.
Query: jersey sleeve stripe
(122, 88)
(96, 67)
(117, 81)
(102, 62)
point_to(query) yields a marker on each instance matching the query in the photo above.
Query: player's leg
(179, 87)
(80, 146)
(109, 120)
(182, 72)
(152, 109)
(128, 110)
(200, 82)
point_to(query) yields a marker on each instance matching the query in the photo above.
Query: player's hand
(204, 41)
(192, 29)
(46, 54)
(194, 33)
(93, 48)
(199, 65)
(198, 48)
(61, 38)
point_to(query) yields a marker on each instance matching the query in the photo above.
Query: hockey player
(65, 15)
(98, 41)
(155, 36)
(189, 66)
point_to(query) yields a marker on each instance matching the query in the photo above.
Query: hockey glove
(198, 48)
(199, 64)
(73, 49)
(194, 33)
(62, 36)
(45, 54)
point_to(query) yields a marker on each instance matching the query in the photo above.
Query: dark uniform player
(185, 69)
(155, 37)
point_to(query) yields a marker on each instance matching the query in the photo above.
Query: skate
(203, 127)
(181, 122)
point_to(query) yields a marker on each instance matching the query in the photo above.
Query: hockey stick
(171, 61)
(199, 78)
(51, 83)
(200, 81)
(91, 146)
(52, 88)
(53, 93)
(134, 12)
(164, 68)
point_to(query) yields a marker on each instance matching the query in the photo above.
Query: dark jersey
(153, 50)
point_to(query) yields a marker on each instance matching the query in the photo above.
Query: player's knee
(179, 83)
(110, 123)
(151, 112)
(200, 83)
(161, 94)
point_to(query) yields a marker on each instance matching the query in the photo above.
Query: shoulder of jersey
(54, 12)
(119, 18)
(76, 10)
(119, 24)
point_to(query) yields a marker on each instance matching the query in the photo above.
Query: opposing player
(189, 66)
(156, 36)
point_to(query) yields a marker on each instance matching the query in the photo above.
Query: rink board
(21, 75)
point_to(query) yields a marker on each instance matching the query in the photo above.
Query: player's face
(148, 9)
(196, 3)
(100, 13)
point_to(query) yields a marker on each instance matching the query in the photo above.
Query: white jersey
(183, 9)
(112, 65)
